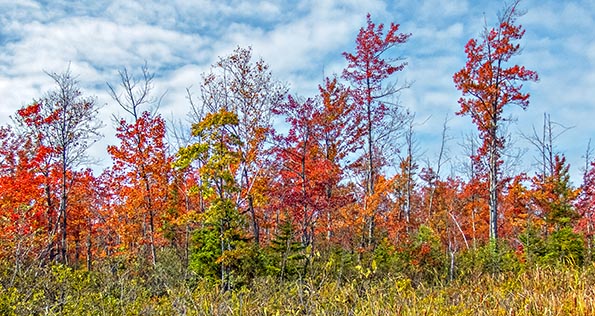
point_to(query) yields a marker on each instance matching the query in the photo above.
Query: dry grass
(544, 291)
(538, 291)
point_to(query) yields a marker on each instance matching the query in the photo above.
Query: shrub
(564, 247)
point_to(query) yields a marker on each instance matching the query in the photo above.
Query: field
(328, 290)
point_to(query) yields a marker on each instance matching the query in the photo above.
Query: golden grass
(536, 291)
(541, 291)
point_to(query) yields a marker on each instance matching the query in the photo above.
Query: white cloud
(300, 40)
(446, 8)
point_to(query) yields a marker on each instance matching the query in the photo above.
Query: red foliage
(305, 173)
(586, 203)
(366, 68)
(487, 84)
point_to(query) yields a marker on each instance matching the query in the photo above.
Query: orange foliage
(140, 174)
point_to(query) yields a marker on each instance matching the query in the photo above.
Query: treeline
(243, 197)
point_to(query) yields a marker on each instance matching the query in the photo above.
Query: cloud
(301, 41)
(446, 8)
(563, 58)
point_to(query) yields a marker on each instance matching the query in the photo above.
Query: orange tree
(367, 71)
(489, 84)
(23, 224)
(141, 169)
(69, 125)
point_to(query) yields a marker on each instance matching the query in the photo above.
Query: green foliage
(205, 250)
(428, 259)
(336, 286)
(286, 257)
(385, 258)
(186, 155)
(533, 244)
(555, 197)
(220, 251)
(334, 263)
(492, 259)
(561, 247)
(58, 290)
(565, 247)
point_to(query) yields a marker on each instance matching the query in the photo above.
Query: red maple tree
(488, 85)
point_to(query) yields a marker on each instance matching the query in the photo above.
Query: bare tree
(408, 166)
(435, 174)
(70, 128)
(135, 92)
(544, 143)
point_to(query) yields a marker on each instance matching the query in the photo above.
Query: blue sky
(302, 40)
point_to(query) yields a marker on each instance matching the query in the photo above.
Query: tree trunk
(408, 190)
(255, 227)
(64, 222)
(451, 269)
(152, 238)
(89, 253)
(77, 251)
(370, 184)
(51, 225)
(493, 179)
(149, 201)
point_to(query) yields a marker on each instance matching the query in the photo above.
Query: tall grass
(535, 291)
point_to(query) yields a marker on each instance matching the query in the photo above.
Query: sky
(303, 41)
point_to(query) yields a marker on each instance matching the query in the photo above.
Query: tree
(286, 253)
(221, 242)
(488, 85)
(22, 220)
(68, 121)
(30, 123)
(475, 208)
(554, 197)
(142, 168)
(544, 144)
(339, 134)
(245, 87)
(431, 175)
(83, 215)
(141, 161)
(305, 172)
(516, 207)
(586, 204)
(408, 169)
(367, 71)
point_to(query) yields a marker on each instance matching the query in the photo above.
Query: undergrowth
(334, 286)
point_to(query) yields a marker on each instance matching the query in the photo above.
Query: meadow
(335, 285)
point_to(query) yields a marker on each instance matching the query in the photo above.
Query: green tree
(287, 254)
(222, 222)
(244, 86)
(554, 197)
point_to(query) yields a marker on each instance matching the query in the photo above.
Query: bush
(564, 247)
(492, 259)
(429, 262)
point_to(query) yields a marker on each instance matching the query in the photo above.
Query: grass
(535, 291)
